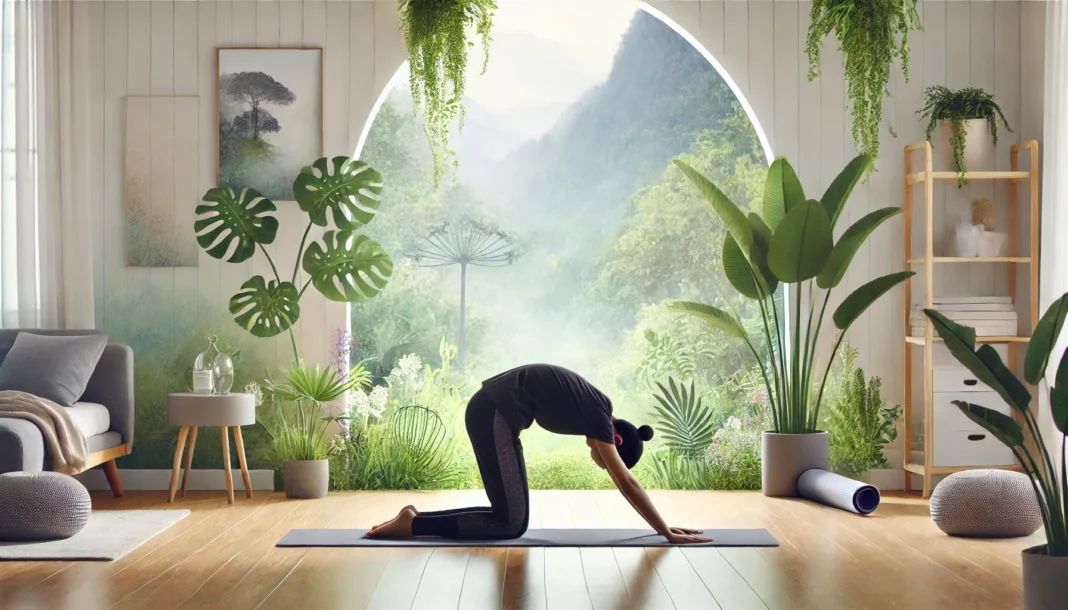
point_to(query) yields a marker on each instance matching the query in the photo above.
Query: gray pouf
(41, 506)
(986, 504)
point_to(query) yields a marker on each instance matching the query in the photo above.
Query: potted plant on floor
(1045, 567)
(300, 421)
(792, 244)
(967, 123)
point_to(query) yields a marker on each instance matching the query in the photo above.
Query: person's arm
(635, 494)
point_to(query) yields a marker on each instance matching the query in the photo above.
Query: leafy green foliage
(847, 246)
(732, 462)
(1026, 441)
(860, 426)
(971, 103)
(871, 34)
(348, 188)
(802, 243)
(266, 309)
(561, 470)
(356, 263)
(683, 421)
(230, 218)
(1042, 340)
(435, 34)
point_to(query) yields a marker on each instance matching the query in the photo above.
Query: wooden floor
(224, 557)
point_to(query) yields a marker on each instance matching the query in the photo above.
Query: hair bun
(645, 433)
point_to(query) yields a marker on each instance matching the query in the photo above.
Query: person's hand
(681, 535)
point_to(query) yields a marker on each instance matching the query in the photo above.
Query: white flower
(360, 403)
(254, 388)
(378, 399)
(407, 369)
(733, 423)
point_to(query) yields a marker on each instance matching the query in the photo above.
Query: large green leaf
(1003, 427)
(847, 246)
(265, 309)
(1043, 339)
(738, 271)
(802, 243)
(683, 421)
(1060, 379)
(861, 299)
(1058, 403)
(758, 253)
(723, 320)
(834, 199)
(782, 191)
(729, 213)
(984, 363)
(229, 218)
(350, 268)
(348, 188)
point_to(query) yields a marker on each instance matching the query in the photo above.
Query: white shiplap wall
(168, 48)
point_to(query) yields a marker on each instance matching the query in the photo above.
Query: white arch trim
(680, 30)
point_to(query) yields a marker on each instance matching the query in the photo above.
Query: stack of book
(989, 316)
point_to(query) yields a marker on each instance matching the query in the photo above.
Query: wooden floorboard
(224, 556)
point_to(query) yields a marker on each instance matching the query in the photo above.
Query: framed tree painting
(270, 117)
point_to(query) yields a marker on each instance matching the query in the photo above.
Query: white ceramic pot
(784, 457)
(978, 147)
(306, 479)
(1044, 579)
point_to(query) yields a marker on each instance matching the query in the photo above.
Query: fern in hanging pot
(436, 36)
(871, 34)
(963, 111)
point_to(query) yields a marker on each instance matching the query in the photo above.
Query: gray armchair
(22, 447)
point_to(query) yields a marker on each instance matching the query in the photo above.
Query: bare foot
(399, 527)
(406, 508)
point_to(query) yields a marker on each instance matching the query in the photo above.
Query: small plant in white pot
(1045, 567)
(792, 244)
(967, 120)
(299, 424)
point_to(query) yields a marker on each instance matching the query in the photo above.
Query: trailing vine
(436, 36)
(868, 33)
(970, 103)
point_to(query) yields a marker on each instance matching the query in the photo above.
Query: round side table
(223, 411)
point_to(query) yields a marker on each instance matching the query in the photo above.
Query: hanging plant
(871, 33)
(956, 107)
(436, 35)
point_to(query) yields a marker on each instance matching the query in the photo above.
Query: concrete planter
(784, 457)
(307, 479)
(1044, 579)
(978, 147)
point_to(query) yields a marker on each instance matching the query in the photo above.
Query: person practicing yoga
(560, 401)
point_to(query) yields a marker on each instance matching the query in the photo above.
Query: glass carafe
(203, 367)
(222, 374)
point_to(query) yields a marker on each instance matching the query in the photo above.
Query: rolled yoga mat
(533, 538)
(838, 491)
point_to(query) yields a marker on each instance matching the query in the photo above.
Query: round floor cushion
(41, 506)
(986, 504)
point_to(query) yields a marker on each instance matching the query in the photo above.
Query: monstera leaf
(350, 268)
(265, 309)
(347, 187)
(228, 217)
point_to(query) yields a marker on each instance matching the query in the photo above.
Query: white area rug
(109, 535)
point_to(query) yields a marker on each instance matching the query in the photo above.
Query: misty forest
(561, 248)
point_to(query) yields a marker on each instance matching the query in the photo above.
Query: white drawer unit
(958, 441)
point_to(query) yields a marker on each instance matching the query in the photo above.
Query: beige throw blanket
(65, 442)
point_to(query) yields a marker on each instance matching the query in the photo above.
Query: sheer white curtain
(1054, 272)
(46, 265)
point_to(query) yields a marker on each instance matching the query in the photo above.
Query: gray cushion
(41, 506)
(56, 368)
(22, 447)
(986, 504)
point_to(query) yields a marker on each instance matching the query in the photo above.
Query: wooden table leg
(240, 442)
(189, 457)
(226, 465)
(178, 449)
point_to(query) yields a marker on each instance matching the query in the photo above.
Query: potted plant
(963, 119)
(300, 423)
(792, 244)
(436, 37)
(871, 34)
(1045, 567)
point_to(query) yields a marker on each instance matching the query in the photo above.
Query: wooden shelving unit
(926, 177)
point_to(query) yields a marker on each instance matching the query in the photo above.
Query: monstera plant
(339, 194)
(792, 244)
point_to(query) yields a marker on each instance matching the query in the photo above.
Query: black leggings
(504, 475)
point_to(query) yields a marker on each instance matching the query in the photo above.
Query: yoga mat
(838, 491)
(534, 537)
